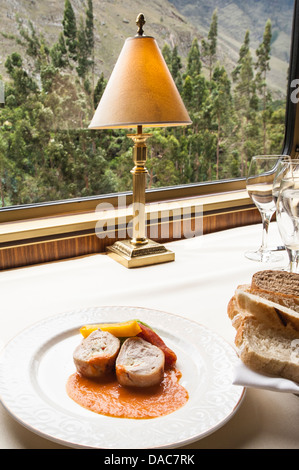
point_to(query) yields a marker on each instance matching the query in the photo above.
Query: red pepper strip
(152, 337)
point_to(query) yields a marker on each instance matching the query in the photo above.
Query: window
(55, 63)
(54, 173)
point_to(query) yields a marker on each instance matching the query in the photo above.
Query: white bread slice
(139, 363)
(266, 311)
(234, 311)
(281, 287)
(268, 350)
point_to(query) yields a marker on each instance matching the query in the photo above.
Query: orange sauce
(108, 397)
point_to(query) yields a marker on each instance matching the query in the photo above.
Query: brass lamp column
(140, 92)
(139, 173)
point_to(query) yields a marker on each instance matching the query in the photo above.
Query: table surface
(197, 285)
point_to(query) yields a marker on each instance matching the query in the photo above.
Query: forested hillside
(237, 16)
(47, 153)
(114, 20)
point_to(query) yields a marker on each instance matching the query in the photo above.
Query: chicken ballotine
(125, 370)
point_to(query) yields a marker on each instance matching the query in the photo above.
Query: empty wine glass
(287, 217)
(259, 184)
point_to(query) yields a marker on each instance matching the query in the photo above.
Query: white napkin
(249, 378)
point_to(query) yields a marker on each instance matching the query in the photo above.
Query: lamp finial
(140, 21)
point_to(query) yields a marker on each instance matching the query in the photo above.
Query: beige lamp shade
(140, 91)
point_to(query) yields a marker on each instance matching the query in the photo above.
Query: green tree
(85, 43)
(243, 53)
(222, 109)
(167, 54)
(176, 66)
(22, 84)
(194, 87)
(263, 66)
(89, 28)
(58, 53)
(5, 165)
(187, 93)
(90, 40)
(35, 45)
(245, 102)
(70, 29)
(99, 90)
(276, 130)
(82, 51)
(163, 162)
(32, 42)
(209, 46)
(194, 64)
(27, 136)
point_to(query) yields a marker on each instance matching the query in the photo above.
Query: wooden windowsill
(22, 230)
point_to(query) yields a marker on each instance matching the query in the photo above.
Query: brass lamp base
(132, 256)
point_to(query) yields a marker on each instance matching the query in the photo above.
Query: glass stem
(266, 221)
(294, 260)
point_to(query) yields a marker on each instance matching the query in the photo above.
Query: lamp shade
(140, 91)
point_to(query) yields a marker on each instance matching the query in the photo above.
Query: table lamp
(140, 92)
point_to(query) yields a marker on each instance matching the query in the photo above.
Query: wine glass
(285, 168)
(259, 185)
(287, 217)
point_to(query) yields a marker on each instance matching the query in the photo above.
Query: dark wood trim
(43, 250)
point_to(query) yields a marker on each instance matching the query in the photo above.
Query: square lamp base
(131, 256)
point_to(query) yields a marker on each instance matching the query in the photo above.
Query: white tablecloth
(198, 285)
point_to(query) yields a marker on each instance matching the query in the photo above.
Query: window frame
(84, 204)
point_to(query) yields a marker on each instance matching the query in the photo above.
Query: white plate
(35, 365)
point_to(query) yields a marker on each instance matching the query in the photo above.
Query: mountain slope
(235, 17)
(174, 22)
(114, 21)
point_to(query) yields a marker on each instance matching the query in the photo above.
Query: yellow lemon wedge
(121, 329)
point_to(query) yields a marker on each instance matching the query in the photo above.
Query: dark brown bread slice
(281, 287)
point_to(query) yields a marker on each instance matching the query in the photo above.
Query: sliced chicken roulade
(139, 363)
(95, 356)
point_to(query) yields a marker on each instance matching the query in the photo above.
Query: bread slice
(245, 303)
(281, 287)
(268, 350)
(265, 314)
(234, 311)
(139, 363)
